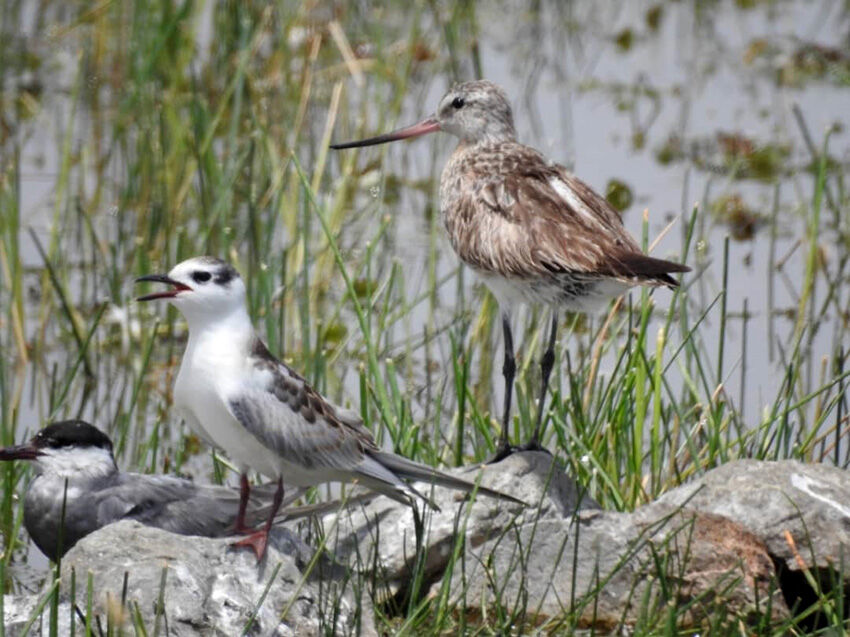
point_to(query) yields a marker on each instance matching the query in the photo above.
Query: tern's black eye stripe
(225, 275)
(201, 276)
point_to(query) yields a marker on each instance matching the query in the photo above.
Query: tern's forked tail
(411, 470)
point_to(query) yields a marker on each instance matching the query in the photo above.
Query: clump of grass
(185, 129)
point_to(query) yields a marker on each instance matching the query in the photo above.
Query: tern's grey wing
(279, 408)
(286, 414)
(168, 503)
(303, 436)
(291, 388)
(181, 506)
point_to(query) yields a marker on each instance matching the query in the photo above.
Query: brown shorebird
(532, 231)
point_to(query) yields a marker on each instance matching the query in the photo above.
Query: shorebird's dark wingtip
(667, 280)
(647, 268)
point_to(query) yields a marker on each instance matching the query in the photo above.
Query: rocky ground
(745, 539)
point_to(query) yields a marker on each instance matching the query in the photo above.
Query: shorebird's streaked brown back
(510, 212)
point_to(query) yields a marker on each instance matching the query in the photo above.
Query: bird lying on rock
(78, 481)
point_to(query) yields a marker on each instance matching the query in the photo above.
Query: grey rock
(209, 588)
(380, 537)
(609, 571)
(710, 546)
(720, 538)
(811, 502)
(20, 616)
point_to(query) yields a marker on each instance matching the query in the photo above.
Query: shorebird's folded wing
(516, 214)
(622, 256)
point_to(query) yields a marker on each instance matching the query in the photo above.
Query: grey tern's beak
(177, 287)
(20, 452)
(424, 127)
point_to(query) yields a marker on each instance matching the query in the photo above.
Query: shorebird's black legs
(259, 539)
(509, 371)
(244, 493)
(546, 364)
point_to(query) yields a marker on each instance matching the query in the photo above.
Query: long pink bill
(424, 127)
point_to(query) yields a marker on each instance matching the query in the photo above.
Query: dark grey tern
(78, 481)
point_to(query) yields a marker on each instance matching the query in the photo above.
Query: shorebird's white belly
(555, 290)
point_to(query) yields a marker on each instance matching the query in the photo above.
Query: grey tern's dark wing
(181, 506)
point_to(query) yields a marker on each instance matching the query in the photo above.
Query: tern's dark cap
(71, 433)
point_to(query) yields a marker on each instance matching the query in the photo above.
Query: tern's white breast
(213, 369)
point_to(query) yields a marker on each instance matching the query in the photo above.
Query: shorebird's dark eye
(458, 102)
(200, 276)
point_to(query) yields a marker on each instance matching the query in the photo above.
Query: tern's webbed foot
(243, 529)
(257, 541)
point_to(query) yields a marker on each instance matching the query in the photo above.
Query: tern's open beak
(177, 287)
(424, 127)
(20, 452)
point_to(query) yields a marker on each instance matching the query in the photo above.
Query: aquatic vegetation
(137, 134)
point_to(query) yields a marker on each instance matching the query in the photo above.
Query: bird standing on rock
(237, 396)
(531, 230)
